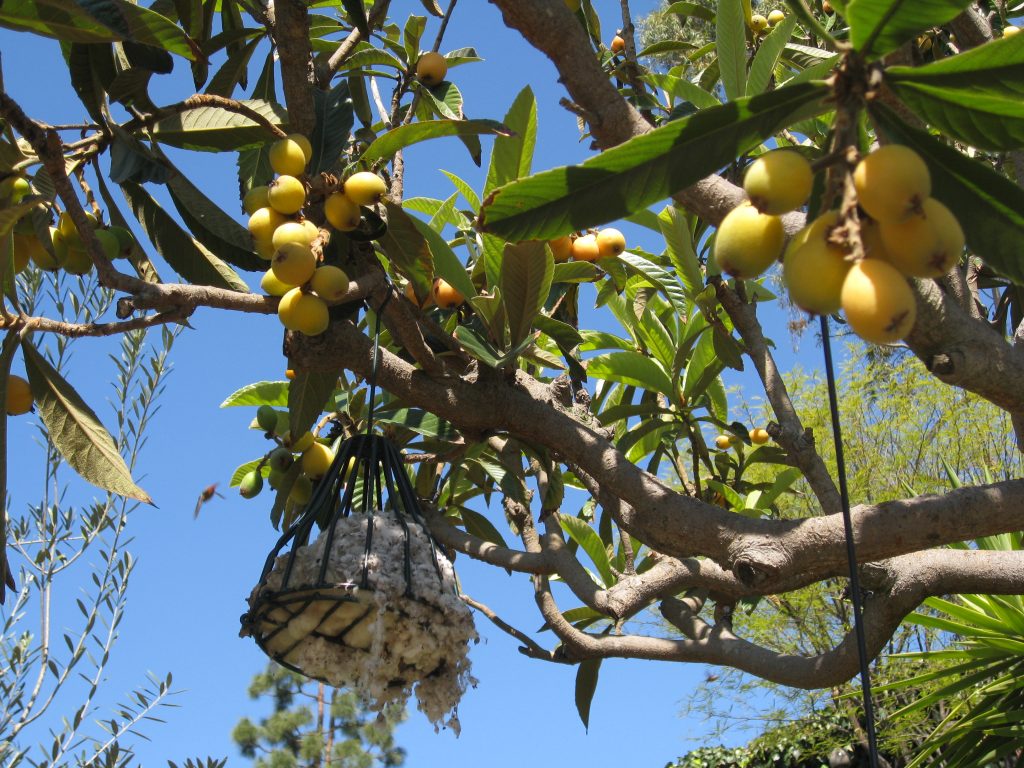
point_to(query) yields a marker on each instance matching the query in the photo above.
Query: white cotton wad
(382, 640)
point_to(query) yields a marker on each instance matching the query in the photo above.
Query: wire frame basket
(355, 592)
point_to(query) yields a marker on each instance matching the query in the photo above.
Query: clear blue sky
(193, 576)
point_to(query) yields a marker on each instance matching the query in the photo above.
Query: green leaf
(731, 45)
(214, 129)
(464, 189)
(679, 247)
(388, 143)
(575, 272)
(880, 26)
(259, 393)
(657, 277)
(479, 347)
(631, 368)
(512, 154)
(308, 393)
(446, 263)
(421, 422)
(357, 15)
(407, 249)
(586, 685)
(212, 226)
(97, 21)
(234, 70)
(976, 97)
(989, 207)
(526, 271)
(479, 526)
(643, 170)
(768, 56)
(581, 532)
(683, 89)
(76, 431)
(703, 367)
(254, 164)
(564, 334)
(334, 119)
(244, 469)
(691, 9)
(188, 257)
(91, 68)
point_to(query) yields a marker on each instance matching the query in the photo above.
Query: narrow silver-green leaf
(76, 431)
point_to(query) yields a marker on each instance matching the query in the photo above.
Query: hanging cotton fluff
(381, 616)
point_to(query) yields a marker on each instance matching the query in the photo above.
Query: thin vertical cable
(376, 354)
(851, 550)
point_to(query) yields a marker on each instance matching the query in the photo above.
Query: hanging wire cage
(356, 592)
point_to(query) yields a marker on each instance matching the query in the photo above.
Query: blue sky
(192, 576)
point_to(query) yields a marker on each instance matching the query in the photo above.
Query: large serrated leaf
(97, 21)
(976, 97)
(989, 207)
(259, 393)
(214, 129)
(233, 71)
(76, 431)
(187, 256)
(525, 280)
(586, 686)
(880, 26)
(631, 368)
(213, 227)
(407, 249)
(308, 393)
(657, 277)
(385, 145)
(512, 154)
(445, 99)
(91, 67)
(254, 164)
(643, 170)
(679, 248)
(334, 118)
(731, 46)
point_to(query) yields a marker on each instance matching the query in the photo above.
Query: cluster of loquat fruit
(590, 246)
(759, 23)
(314, 456)
(291, 242)
(65, 250)
(758, 436)
(903, 232)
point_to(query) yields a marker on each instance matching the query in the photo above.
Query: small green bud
(302, 489)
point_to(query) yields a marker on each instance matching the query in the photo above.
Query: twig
(532, 649)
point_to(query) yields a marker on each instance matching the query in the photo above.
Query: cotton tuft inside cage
(356, 592)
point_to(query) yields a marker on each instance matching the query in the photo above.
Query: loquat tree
(485, 377)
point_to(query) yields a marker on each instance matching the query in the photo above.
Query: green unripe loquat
(778, 182)
(251, 485)
(280, 459)
(109, 241)
(13, 190)
(125, 240)
(266, 417)
(78, 261)
(302, 490)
